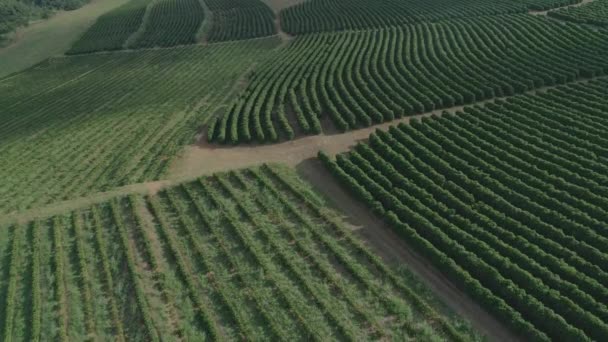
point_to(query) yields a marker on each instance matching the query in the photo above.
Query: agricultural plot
(360, 78)
(112, 30)
(594, 13)
(248, 254)
(509, 200)
(171, 23)
(240, 19)
(335, 15)
(75, 125)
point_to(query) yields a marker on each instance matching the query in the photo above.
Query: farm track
(394, 250)
(205, 159)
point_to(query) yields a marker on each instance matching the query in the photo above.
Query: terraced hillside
(508, 199)
(336, 15)
(81, 124)
(240, 19)
(361, 78)
(247, 254)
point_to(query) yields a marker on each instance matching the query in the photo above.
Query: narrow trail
(205, 159)
(558, 8)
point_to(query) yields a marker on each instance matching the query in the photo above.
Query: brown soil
(394, 250)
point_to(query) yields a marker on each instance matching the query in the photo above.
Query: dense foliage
(366, 77)
(595, 13)
(87, 123)
(510, 200)
(171, 23)
(331, 15)
(239, 19)
(112, 30)
(250, 254)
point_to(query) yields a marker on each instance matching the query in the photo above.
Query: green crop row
(508, 199)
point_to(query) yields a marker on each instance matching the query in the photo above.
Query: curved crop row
(171, 23)
(111, 30)
(336, 15)
(508, 199)
(365, 77)
(240, 19)
(594, 13)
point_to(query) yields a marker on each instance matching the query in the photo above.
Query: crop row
(239, 19)
(171, 23)
(336, 15)
(594, 13)
(111, 30)
(366, 77)
(507, 200)
(116, 119)
(242, 254)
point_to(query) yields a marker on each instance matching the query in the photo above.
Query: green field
(76, 125)
(304, 170)
(357, 79)
(247, 254)
(509, 199)
(594, 13)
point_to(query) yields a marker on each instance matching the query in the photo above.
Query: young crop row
(594, 13)
(111, 30)
(109, 120)
(509, 200)
(246, 254)
(239, 19)
(336, 15)
(366, 77)
(171, 23)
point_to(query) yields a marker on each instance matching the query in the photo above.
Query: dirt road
(394, 250)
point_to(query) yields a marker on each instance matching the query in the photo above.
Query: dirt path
(557, 8)
(278, 5)
(47, 38)
(394, 250)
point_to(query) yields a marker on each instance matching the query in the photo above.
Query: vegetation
(240, 19)
(16, 13)
(333, 15)
(508, 199)
(251, 253)
(171, 23)
(112, 29)
(364, 77)
(90, 123)
(594, 13)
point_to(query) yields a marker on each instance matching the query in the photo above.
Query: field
(508, 199)
(44, 39)
(361, 78)
(335, 15)
(240, 19)
(193, 262)
(91, 123)
(594, 13)
(295, 170)
(112, 30)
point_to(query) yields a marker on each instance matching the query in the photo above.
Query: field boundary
(193, 161)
